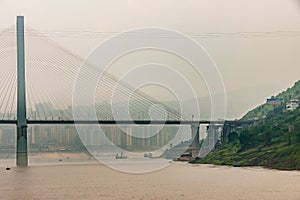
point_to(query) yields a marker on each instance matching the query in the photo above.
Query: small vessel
(184, 157)
(149, 155)
(121, 156)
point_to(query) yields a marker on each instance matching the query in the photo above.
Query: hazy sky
(246, 64)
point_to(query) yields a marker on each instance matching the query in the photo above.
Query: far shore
(85, 158)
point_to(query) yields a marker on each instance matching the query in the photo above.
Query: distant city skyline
(253, 68)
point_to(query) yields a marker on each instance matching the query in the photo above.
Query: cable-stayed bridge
(42, 94)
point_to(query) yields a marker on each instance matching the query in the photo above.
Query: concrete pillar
(195, 145)
(22, 156)
(212, 136)
(33, 135)
(225, 132)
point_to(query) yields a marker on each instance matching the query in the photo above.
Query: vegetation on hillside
(262, 110)
(273, 143)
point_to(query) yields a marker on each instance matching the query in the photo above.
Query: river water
(177, 181)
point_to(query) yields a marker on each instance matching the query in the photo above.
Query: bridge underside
(124, 122)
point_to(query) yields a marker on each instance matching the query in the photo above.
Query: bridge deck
(124, 122)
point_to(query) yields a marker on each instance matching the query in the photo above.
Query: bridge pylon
(22, 153)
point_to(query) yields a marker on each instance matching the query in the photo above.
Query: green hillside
(273, 143)
(268, 144)
(264, 109)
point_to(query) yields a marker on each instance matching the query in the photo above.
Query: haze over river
(178, 181)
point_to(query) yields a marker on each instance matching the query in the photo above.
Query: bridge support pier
(22, 155)
(195, 145)
(225, 132)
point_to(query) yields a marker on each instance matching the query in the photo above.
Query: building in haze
(275, 101)
(292, 105)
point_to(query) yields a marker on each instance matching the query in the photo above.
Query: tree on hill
(246, 139)
(233, 137)
(267, 137)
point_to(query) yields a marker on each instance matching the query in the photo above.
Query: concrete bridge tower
(22, 157)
